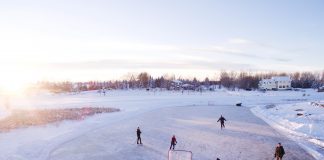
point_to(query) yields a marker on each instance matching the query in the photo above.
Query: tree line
(248, 80)
(227, 79)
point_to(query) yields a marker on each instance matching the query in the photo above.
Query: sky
(80, 40)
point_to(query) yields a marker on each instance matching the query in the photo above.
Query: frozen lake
(191, 116)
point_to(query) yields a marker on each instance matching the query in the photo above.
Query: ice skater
(173, 142)
(104, 92)
(138, 132)
(222, 121)
(279, 152)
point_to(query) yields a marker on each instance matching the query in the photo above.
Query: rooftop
(281, 78)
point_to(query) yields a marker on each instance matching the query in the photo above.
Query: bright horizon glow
(13, 86)
(105, 40)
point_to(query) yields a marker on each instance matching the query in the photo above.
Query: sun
(12, 85)
(15, 77)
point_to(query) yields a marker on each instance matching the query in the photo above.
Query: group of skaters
(279, 151)
(139, 139)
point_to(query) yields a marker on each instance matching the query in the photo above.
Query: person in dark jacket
(222, 121)
(138, 132)
(279, 152)
(173, 142)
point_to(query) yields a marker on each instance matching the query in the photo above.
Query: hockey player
(173, 142)
(138, 132)
(222, 121)
(279, 152)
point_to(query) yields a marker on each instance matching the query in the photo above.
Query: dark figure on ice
(173, 142)
(279, 152)
(222, 121)
(138, 132)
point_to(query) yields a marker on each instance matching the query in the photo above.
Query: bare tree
(130, 78)
(206, 82)
(143, 79)
(225, 79)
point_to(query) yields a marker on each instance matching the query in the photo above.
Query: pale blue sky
(83, 40)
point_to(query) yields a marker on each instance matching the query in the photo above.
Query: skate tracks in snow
(196, 130)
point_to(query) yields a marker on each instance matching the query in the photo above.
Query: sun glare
(12, 86)
(15, 77)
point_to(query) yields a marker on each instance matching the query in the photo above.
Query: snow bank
(302, 122)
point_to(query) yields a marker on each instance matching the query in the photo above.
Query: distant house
(321, 89)
(188, 86)
(202, 88)
(213, 87)
(176, 84)
(275, 83)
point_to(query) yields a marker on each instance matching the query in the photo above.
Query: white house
(187, 86)
(275, 83)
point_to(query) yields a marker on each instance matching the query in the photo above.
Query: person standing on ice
(222, 121)
(104, 92)
(173, 142)
(138, 132)
(279, 152)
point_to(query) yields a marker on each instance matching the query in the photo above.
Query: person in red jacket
(173, 142)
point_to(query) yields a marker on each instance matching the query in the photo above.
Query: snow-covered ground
(191, 116)
(303, 122)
